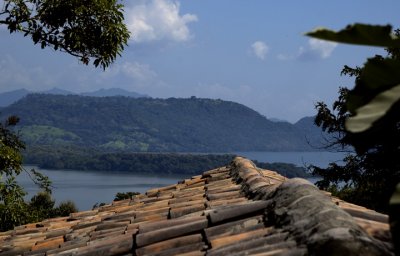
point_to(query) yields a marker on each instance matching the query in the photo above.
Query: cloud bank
(155, 20)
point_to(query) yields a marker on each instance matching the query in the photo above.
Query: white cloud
(154, 20)
(316, 49)
(136, 71)
(323, 48)
(260, 49)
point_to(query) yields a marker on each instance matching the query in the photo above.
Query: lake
(321, 159)
(86, 188)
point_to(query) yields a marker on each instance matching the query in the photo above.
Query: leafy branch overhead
(92, 30)
(376, 95)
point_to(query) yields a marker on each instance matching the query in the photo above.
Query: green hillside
(151, 125)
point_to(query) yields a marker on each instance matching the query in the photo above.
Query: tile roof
(233, 210)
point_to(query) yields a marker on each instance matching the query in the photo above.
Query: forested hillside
(72, 157)
(151, 125)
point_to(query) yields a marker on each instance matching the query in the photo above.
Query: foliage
(154, 125)
(98, 205)
(366, 118)
(65, 208)
(41, 205)
(375, 99)
(90, 29)
(13, 209)
(125, 195)
(51, 157)
(141, 163)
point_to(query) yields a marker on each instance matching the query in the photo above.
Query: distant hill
(151, 125)
(277, 120)
(313, 134)
(7, 98)
(58, 91)
(114, 92)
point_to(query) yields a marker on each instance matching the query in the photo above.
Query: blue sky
(251, 52)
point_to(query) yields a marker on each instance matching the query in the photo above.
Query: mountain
(277, 120)
(313, 134)
(8, 98)
(114, 92)
(151, 125)
(57, 91)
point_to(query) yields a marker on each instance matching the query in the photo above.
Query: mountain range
(7, 98)
(156, 125)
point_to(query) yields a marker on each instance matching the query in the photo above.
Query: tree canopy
(367, 118)
(87, 29)
(13, 208)
(92, 30)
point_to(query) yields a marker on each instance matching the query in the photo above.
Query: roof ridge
(310, 216)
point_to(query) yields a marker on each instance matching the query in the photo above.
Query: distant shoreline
(151, 163)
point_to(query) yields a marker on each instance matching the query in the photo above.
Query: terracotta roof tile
(238, 209)
(170, 244)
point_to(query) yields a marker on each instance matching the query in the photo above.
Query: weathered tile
(227, 213)
(51, 243)
(226, 188)
(151, 211)
(151, 218)
(209, 214)
(181, 211)
(249, 244)
(169, 244)
(150, 237)
(237, 238)
(151, 226)
(83, 214)
(234, 227)
(217, 203)
(181, 199)
(367, 214)
(191, 249)
(187, 203)
(224, 195)
(220, 183)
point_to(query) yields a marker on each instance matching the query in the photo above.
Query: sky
(251, 52)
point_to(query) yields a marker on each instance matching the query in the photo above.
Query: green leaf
(377, 76)
(373, 111)
(360, 34)
(381, 73)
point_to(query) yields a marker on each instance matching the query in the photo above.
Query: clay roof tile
(237, 209)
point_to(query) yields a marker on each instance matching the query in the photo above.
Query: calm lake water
(86, 188)
(321, 159)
